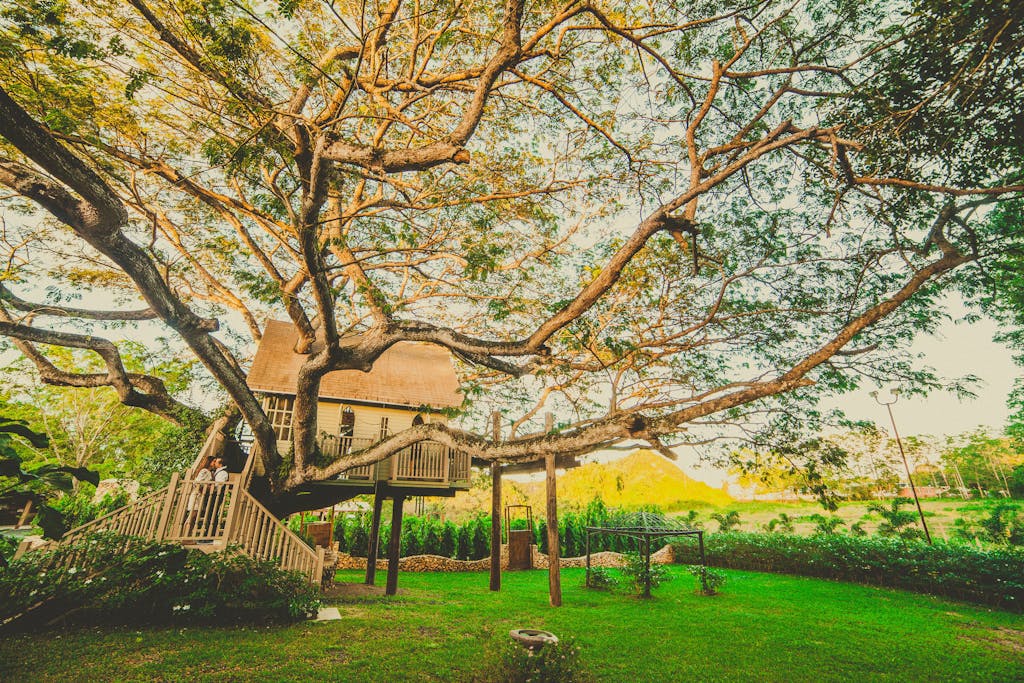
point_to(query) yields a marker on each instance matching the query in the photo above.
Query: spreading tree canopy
(661, 220)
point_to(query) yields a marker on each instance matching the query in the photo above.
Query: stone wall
(436, 563)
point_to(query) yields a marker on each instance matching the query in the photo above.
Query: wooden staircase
(208, 516)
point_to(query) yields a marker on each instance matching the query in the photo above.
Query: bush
(95, 580)
(638, 572)
(601, 578)
(727, 521)
(710, 580)
(358, 540)
(1001, 523)
(553, 663)
(986, 576)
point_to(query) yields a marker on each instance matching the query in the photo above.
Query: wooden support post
(587, 580)
(234, 503)
(374, 541)
(647, 566)
(395, 545)
(330, 539)
(554, 563)
(23, 520)
(496, 509)
(317, 575)
(160, 533)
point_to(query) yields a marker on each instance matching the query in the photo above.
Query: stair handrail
(235, 534)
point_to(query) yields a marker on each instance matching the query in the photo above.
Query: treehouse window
(384, 428)
(279, 412)
(418, 420)
(347, 424)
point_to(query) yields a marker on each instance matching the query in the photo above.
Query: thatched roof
(408, 374)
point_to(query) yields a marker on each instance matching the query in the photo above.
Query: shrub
(986, 576)
(480, 538)
(553, 663)
(727, 520)
(826, 525)
(96, 580)
(1001, 523)
(358, 541)
(465, 543)
(449, 540)
(601, 578)
(692, 519)
(639, 573)
(78, 508)
(431, 538)
(710, 580)
(897, 522)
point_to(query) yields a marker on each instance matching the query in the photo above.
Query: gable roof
(407, 374)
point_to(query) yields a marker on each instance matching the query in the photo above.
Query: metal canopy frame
(645, 526)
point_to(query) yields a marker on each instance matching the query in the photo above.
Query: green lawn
(442, 627)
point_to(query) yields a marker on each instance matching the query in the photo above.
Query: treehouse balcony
(423, 465)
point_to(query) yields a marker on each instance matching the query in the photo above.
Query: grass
(444, 627)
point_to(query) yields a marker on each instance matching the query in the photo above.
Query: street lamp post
(899, 442)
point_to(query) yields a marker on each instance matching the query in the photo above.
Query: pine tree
(449, 540)
(465, 541)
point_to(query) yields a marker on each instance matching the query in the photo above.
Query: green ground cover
(940, 513)
(445, 627)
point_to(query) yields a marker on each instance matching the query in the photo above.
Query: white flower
(72, 570)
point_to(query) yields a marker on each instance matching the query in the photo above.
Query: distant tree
(1001, 523)
(692, 520)
(896, 521)
(727, 521)
(783, 524)
(1016, 481)
(981, 461)
(827, 525)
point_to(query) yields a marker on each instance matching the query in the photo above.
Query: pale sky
(959, 350)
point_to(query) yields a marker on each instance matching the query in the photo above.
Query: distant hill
(641, 478)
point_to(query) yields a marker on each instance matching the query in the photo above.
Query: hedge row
(471, 540)
(993, 577)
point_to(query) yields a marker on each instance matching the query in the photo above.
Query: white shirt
(221, 475)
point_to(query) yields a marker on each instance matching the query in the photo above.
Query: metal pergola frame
(650, 526)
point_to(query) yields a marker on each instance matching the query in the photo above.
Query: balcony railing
(425, 462)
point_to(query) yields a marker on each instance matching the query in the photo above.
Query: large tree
(665, 221)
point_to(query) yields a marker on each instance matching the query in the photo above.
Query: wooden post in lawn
(496, 508)
(554, 564)
(395, 545)
(374, 541)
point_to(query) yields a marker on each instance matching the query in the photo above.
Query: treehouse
(410, 384)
